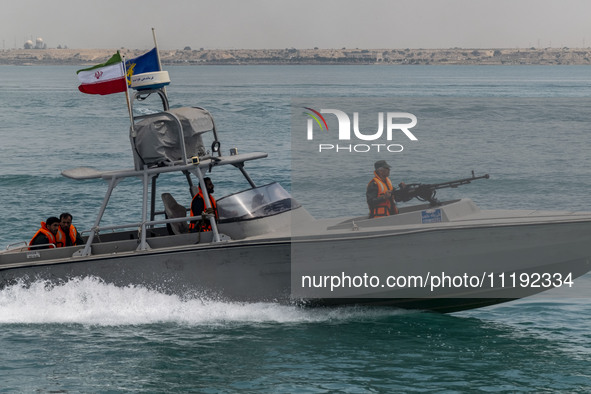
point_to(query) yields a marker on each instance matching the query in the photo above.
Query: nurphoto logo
(395, 122)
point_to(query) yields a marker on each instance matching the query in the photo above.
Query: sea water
(529, 128)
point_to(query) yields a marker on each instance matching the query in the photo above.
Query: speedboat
(265, 247)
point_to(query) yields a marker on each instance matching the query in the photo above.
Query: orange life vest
(203, 225)
(385, 207)
(60, 237)
(43, 230)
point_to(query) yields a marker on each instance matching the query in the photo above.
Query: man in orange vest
(198, 208)
(379, 192)
(45, 236)
(67, 235)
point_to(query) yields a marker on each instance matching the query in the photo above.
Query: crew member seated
(198, 208)
(67, 235)
(45, 236)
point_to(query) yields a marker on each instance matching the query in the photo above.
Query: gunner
(380, 199)
(198, 208)
(67, 235)
(45, 236)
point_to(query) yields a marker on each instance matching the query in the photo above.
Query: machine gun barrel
(427, 191)
(456, 183)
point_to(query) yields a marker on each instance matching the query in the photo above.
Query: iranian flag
(103, 78)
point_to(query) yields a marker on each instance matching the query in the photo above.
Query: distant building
(39, 44)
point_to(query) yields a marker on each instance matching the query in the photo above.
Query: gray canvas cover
(158, 136)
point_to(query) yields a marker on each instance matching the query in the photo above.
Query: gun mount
(426, 192)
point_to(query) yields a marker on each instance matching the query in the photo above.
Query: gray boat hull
(270, 269)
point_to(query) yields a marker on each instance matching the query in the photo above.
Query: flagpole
(132, 131)
(158, 57)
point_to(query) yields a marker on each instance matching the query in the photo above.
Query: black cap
(380, 164)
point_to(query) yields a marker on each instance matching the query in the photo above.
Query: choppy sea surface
(527, 126)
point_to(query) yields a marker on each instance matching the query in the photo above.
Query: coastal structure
(407, 56)
(39, 44)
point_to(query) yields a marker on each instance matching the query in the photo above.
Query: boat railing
(49, 245)
(25, 246)
(13, 246)
(143, 228)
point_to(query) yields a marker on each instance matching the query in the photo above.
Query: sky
(275, 24)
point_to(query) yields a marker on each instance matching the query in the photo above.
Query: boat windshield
(255, 203)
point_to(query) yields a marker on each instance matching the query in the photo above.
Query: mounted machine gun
(426, 191)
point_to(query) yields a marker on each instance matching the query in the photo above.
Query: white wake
(90, 301)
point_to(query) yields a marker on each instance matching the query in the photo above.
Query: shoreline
(452, 56)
